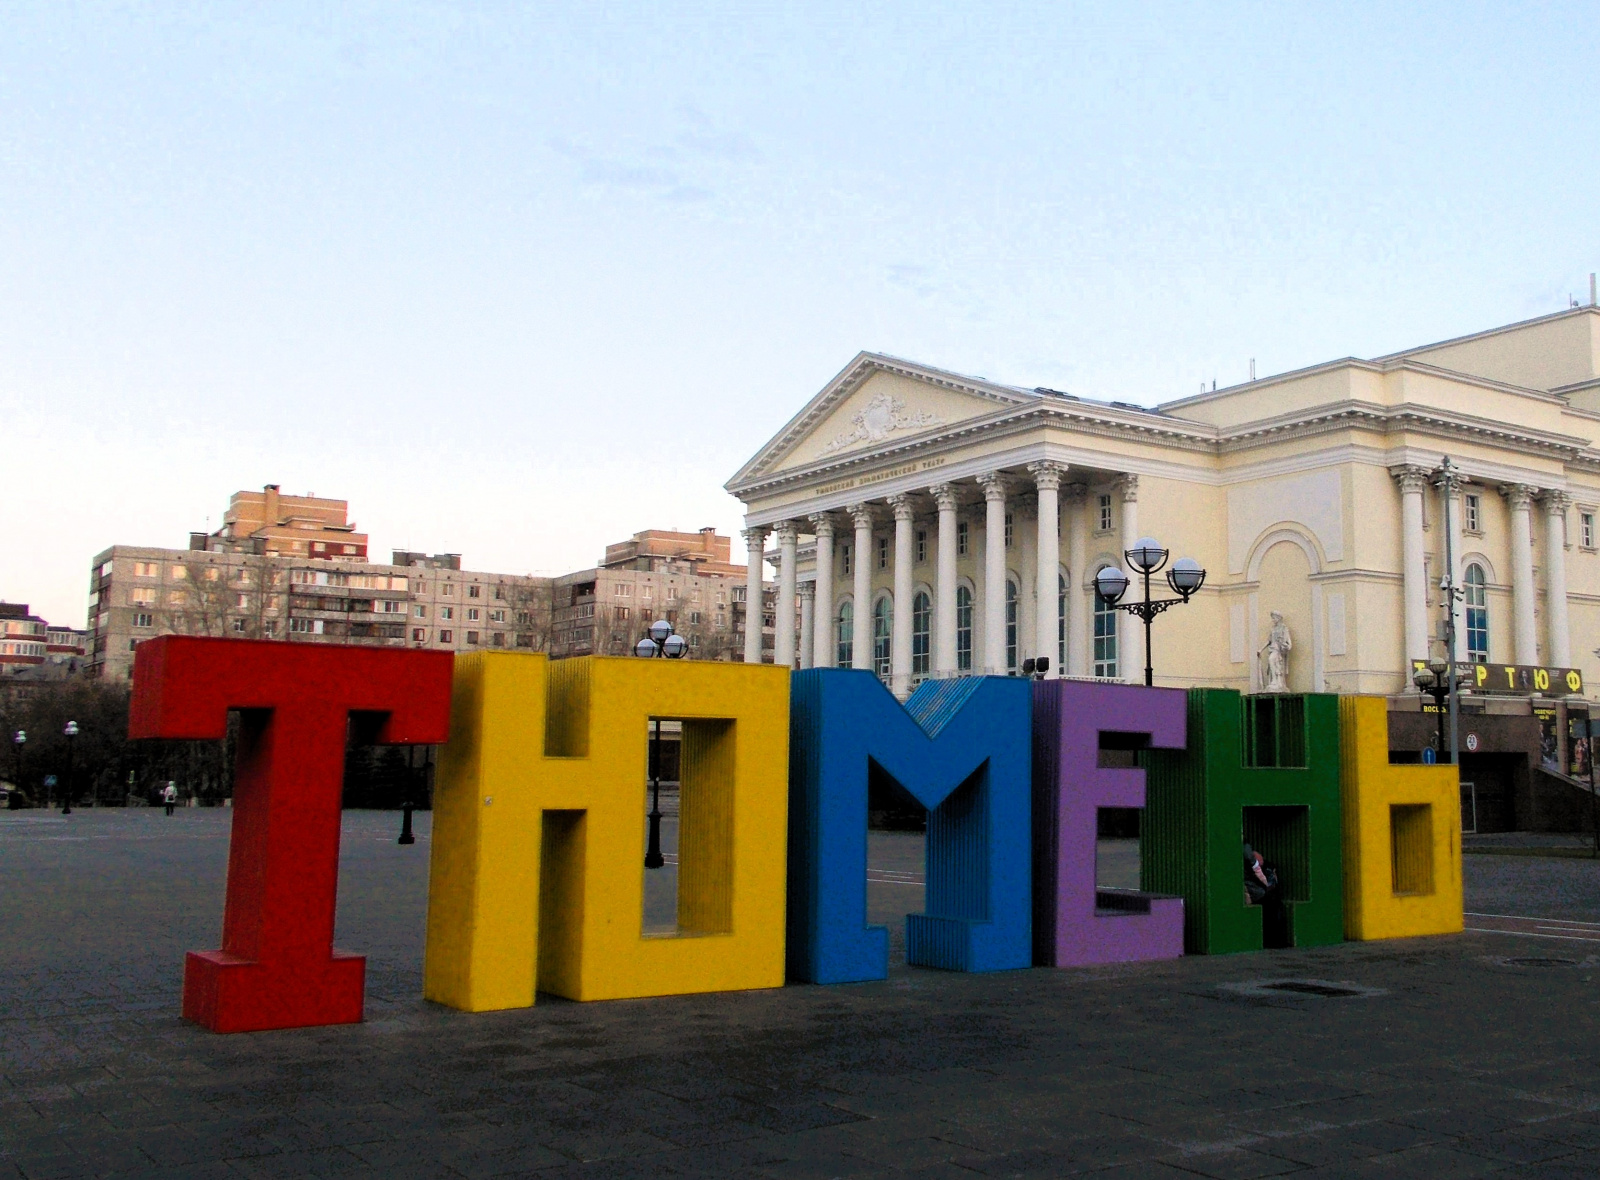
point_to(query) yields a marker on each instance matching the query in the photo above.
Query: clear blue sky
(518, 280)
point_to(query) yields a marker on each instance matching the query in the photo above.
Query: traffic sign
(1429, 757)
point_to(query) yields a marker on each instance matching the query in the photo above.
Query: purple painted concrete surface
(1069, 786)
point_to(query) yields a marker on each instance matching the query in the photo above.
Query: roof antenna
(1213, 385)
(1252, 368)
(1592, 301)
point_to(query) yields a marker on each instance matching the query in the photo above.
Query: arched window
(963, 629)
(847, 629)
(1061, 624)
(1477, 600)
(882, 620)
(1011, 625)
(1105, 638)
(921, 620)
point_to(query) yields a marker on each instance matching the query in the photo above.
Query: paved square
(1465, 1062)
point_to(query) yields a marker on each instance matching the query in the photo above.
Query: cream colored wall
(1540, 355)
(1264, 399)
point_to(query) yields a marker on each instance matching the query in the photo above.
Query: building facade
(685, 578)
(932, 524)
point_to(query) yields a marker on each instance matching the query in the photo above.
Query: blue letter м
(963, 749)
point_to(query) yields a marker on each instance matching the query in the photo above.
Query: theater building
(925, 523)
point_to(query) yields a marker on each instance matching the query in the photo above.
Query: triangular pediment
(876, 402)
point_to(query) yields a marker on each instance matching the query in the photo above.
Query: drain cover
(1321, 989)
(1535, 962)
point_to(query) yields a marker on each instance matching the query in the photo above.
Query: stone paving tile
(1464, 1066)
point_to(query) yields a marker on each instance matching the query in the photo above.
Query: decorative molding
(861, 516)
(1128, 486)
(822, 525)
(786, 533)
(1047, 475)
(905, 508)
(1412, 480)
(946, 497)
(880, 418)
(1557, 503)
(994, 486)
(1519, 496)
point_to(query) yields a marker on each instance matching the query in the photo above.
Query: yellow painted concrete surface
(1402, 834)
(539, 833)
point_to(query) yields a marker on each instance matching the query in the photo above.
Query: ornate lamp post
(1434, 679)
(71, 732)
(18, 740)
(1035, 669)
(1148, 557)
(659, 641)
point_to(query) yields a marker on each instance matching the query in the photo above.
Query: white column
(1130, 631)
(900, 621)
(1412, 481)
(994, 573)
(944, 607)
(1047, 556)
(1080, 614)
(861, 650)
(1559, 654)
(823, 621)
(788, 577)
(808, 623)
(756, 539)
(1524, 634)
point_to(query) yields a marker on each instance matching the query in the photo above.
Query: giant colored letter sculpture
(1402, 834)
(277, 967)
(961, 748)
(1262, 771)
(1073, 923)
(539, 835)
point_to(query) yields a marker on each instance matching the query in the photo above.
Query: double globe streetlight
(1433, 678)
(1148, 557)
(660, 641)
(71, 732)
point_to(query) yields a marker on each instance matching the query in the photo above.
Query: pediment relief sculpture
(880, 418)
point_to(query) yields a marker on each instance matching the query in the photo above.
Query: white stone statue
(1279, 644)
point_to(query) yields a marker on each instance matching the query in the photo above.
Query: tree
(532, 605)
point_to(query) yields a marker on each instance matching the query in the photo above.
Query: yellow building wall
(539, 833)
(1402, 864)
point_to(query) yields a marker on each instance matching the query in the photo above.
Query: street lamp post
(659, 641)
(1433, 678)
(18, 740)
(1148, 557)
(71, 732)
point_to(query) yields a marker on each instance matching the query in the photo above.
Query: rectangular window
(623, 590)
(447, 589)
(393, 606)
(306, 626)
(419, 635)
(419, 611)
(142, 596)
(1105, 639)
(1105, 515)
(961, 538)
(179, 573)
(472, 637)
(922, 546)
(472, 614)
(498, 639)
(1009, 530)
(1586, 529)
(1474, 512)
(145, 569)
(647, 592)
(447, 612)
(474, 591)
(499, 592)
(239, 625)
(497, 616)
(624, 612)
(241, 600)
(144, 620)
(694, 618)
(844, 559)
(269, 628)
(883, 553)
(447, 637)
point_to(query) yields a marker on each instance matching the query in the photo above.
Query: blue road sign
(1429, 757)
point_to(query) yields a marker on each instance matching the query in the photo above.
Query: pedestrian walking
(170, 795)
